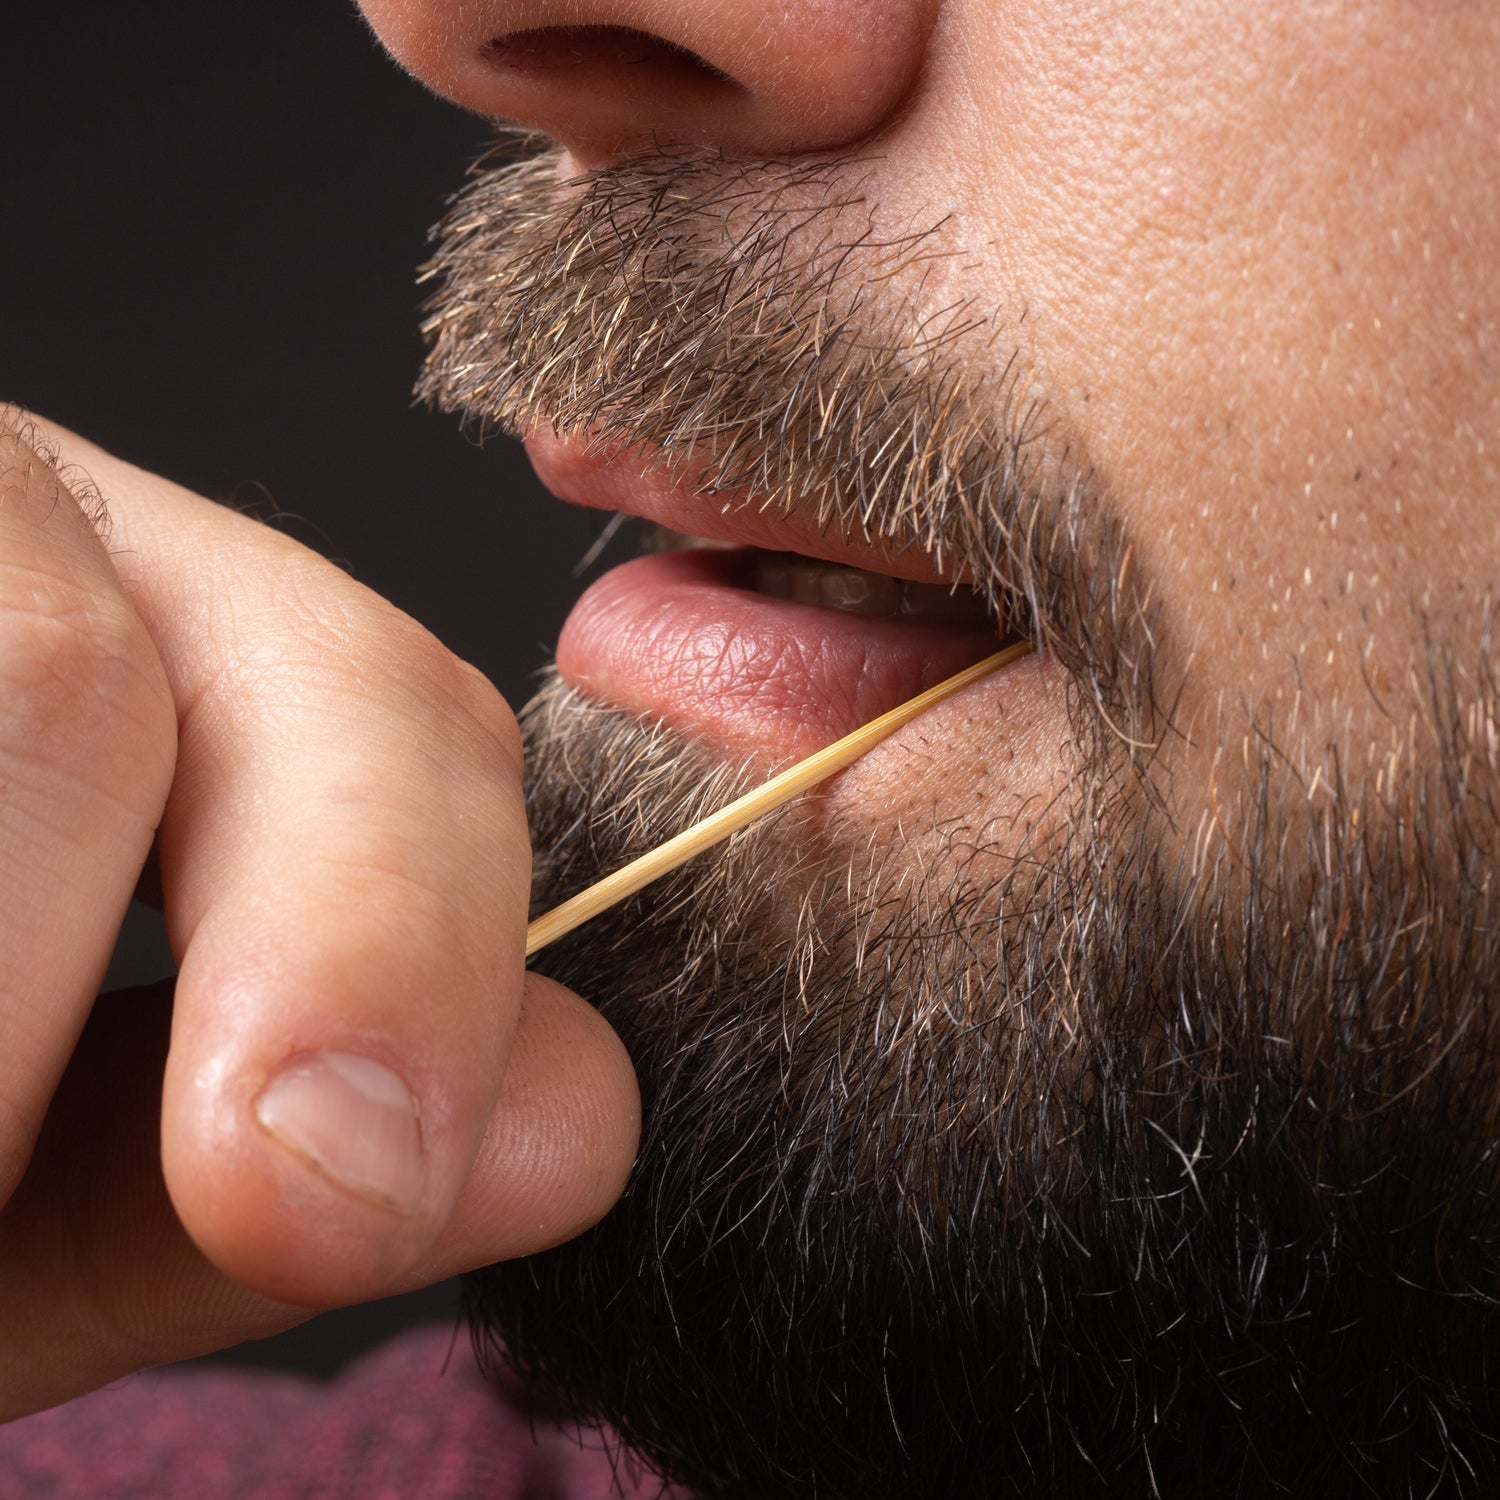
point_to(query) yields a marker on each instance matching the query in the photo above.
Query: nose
(759, 77)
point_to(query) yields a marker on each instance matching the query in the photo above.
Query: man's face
(1097, 1083)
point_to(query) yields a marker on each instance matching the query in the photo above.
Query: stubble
(1099, 1162)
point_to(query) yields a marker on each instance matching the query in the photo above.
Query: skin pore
(1093, 1090)
(1094, 1093)
(1044, 1083)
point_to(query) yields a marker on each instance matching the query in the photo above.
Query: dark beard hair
(1088, 1182)
(1099, 1176)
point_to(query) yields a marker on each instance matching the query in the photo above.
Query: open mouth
(766, 656)
(828, 585)
(761, 639)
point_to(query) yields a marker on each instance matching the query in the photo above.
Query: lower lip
(679, 637)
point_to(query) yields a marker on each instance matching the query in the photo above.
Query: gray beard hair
(1103, 1176)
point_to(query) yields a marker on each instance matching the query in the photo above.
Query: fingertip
(314, 1161)
(294, 1195)
(355, 1121)
(282, 1210)
(562, 1140)
(584, 1101)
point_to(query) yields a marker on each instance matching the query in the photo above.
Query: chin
(1061, 1176)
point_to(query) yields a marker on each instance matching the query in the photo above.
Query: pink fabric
(412, 1421)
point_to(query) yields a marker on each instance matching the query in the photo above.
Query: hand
(365, 1091)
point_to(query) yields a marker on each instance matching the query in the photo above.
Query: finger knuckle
(78, 675)
(76, 678)
(483, 706)
(34, 487)
(452, 690)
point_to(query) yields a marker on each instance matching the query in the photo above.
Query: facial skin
(1092, 1091)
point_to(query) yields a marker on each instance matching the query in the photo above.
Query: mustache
(755, 327)
(1074, 1161)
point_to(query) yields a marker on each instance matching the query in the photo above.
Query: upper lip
(641, 483)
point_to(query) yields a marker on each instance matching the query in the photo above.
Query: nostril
(745, 77)
(596, 54)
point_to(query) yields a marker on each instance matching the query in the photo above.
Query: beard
(1112, 1163)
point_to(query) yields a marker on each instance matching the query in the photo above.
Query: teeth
(781, 575)
(664, 539)
(785, 575)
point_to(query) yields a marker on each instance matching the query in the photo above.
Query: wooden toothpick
(717, 827)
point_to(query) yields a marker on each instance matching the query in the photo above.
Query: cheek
(973, 786)
(1254, 254)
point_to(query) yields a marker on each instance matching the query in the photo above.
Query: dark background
(210, 217)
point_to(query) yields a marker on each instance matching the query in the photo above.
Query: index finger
(345, 868)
